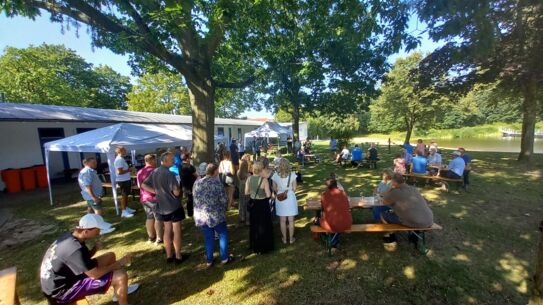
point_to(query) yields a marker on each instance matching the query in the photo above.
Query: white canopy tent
(132, 136)
(269, 130)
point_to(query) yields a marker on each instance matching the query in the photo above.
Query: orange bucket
(12, 179)
(41, 174)
(28, 176)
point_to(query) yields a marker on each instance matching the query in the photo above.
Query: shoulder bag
(284, 195)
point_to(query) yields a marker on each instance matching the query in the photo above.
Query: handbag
(251, 202)
(284, 195)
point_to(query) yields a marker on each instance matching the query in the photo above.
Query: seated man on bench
(70, 271)
(336, 213)
(356, 156)
(343, 156)
(409, 208)
(456, 167)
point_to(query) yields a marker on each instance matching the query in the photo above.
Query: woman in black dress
(261, 227)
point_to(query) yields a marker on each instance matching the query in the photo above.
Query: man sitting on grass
(409, 208)
(70, 271)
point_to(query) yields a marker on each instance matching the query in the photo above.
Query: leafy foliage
(55, 75)
(161, 92)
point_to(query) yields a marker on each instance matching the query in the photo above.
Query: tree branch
(235, 85)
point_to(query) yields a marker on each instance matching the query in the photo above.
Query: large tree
(401, 106)
(488, 41)
(56, 75)
(329, 55)
(207, 42)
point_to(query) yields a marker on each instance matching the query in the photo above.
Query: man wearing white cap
(455, 170)
(70, 271)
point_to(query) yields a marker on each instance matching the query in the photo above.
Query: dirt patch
(16, 231)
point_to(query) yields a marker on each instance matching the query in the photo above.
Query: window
(220, 131)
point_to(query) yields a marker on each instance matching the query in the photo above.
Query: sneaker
(126, 214)
(131, 211)
(151, 240)
(158, 242)
(131, 289)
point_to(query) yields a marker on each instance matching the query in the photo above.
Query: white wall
(21, 144)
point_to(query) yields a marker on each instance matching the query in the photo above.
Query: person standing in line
(210, 213)
(284, 183)
(261, 226)
(243, 174)
(169, 210)
(188, 175)
(124, 181)
(234, 153)
(91, 186)
(289, 144)
(226, 170)
(148, 201)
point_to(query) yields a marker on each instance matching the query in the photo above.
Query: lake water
(474, 144)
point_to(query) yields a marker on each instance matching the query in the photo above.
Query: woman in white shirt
(226, 171)
(284, 182)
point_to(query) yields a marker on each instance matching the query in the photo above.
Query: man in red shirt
(148, 200)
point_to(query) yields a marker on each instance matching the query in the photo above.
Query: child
(399, 164)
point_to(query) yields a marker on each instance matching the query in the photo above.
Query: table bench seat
(459, 181)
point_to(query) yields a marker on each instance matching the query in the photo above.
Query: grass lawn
(484, 255)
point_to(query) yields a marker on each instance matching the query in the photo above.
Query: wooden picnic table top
(7, 282)
(354, 203)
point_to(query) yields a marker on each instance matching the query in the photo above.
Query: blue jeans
(377, 211)
(209, 239)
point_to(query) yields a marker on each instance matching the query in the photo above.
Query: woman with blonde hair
(243, 174)
(226, 171)
(261, 227)
(286, 205)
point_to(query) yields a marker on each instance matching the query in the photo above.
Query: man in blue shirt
(467, 169)
(419, 164)
(91, 186)
(408, 147)
(356, 155)
(456, 167)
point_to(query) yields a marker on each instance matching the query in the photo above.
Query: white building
(26, 127)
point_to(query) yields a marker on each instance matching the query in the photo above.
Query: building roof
(38, 112)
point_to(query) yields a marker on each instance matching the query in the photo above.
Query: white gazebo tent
(269, 130)
(132, 136)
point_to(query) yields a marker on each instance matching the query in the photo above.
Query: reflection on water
(486, 144)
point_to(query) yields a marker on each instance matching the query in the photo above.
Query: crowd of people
(355, 156)
(265, 189)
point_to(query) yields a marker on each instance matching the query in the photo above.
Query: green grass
(484, 255)
(480, 131)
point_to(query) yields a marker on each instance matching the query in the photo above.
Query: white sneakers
(131, 289)
(131, 211)
(126, 214)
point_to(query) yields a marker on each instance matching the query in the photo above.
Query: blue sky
(22, 32)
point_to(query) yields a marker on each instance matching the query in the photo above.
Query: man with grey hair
(91, 186)
(169, 210)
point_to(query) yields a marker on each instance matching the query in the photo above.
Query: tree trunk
(537, 291)
(202, 95)
(296, 120)
(529, 112)
(408, 133)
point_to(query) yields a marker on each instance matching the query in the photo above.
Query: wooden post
(8, 295)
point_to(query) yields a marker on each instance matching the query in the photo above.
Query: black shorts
(125, 186)
(175, 216)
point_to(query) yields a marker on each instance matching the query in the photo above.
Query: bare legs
(120, 277)
(172, 235)
(287, 227)
(124, 202)
(154, 229)
(230, 193)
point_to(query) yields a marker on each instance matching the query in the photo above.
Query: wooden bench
(459, 182)
(8, 294)
(381, 228)
(135, 189)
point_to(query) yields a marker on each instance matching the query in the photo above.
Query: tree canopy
(488, 41)
(56, 75)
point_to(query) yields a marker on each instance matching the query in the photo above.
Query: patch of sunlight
(409, 272)
(476, 246)
(461, 258)
(460, 214)
(291, 280)
(472, 300)
(497, 286)
(365, 257)
(347, 264)
(515, 271)
(526, 236)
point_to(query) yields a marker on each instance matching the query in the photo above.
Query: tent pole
(113, 176)
(48, 177)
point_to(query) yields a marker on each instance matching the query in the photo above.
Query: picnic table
(311, 157)
(354, 203)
